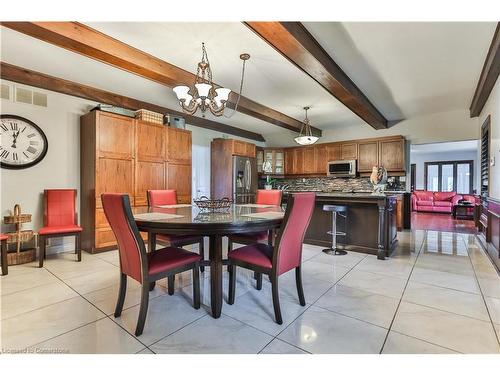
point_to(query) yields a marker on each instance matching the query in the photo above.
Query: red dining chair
(169, 197)
(144, 267)
(268, 197)
(3, 240)
(60, 219)
(283, 257)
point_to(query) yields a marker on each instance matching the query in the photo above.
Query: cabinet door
(260, 160)
(309, 165)
(149, 176)
(367, 156)
(298, 161)
(279, 162)
(269, 156)
(115, 136)
(114, 176)
(178, 145)
(179, 178)
(392, 154)
(289, 164)
(349, 151)
(250, 150)
(239, 148)
(150, 141)
(320, 159)
(334, 152)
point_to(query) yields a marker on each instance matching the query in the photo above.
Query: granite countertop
(339, 194)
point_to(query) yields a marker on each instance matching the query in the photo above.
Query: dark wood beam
(295, 43)
(32, 78)
(93, 44)
(488, 77)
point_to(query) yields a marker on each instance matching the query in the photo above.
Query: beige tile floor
(438, 294)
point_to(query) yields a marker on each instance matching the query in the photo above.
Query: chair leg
(143, 311)
(196, 287)
(298, 281)
(5, 269)
(78, 247)
(258, 277)
(41, 254)
(202, 253)
(276, 300)
(232, 284)
(171, 284)
(229, 249)
(121, 295)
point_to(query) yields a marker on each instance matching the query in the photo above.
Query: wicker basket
(149, 116)
(16, 219)
(22, 236)
(205, 203)
(22, 257)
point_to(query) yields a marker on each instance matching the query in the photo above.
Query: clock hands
(14, 140)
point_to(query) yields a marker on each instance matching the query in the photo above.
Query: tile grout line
(402, 294)
(482, 296)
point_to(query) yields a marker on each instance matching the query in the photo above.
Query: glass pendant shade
(306, 140)
(222, 94)
(182, 92)
(203, 89)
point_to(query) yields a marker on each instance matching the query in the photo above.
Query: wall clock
(23, 143)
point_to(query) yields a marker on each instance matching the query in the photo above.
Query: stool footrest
(338, 233)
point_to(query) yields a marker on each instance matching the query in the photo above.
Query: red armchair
(3, 240)
(144, 267)
(267, 197)
(60, 219)
(428, 201)
(158, 198)
(283, 257)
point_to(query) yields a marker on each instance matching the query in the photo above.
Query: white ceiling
(406, 69)
(471, 145)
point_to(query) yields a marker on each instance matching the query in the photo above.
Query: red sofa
(434, 201)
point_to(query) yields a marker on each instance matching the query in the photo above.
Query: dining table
(186, 219)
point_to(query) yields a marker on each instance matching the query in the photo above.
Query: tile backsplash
(327, 184)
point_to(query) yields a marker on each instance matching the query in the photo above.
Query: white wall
(61, 166)
(419, 158)
(436, 127)
(492, 107)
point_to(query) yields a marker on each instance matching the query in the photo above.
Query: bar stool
(341, 211)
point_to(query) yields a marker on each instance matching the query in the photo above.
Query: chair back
(133, 257)
(59, 207)
(298, 214)
(161, 197)
(271, 197)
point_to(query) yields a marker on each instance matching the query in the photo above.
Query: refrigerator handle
(248, 175)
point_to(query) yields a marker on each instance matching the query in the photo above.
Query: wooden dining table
(190, 220)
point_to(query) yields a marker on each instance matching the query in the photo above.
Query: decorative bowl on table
(205, 203)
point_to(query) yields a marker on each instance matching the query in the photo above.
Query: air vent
(5, 91)
(24, 95)
(40, 99)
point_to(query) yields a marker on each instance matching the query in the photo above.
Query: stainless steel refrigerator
(244, 179)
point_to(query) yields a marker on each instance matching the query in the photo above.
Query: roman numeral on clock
(4, 154)
(13, 125)
(5, 128)
(31, 135)
(31, 150)
(14, 156)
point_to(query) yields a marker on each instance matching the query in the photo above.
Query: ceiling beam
(32, 78)
(295, 43)
(93, 44)
(488, 77)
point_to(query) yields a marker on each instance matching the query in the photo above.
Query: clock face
(23, 143)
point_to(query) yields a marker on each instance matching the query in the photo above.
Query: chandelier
(204, 94)
(306, 136)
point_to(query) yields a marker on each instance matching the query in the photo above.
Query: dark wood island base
(371, 222)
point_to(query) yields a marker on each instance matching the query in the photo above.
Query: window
(449, 176)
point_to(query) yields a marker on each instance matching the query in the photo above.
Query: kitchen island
(371, 222)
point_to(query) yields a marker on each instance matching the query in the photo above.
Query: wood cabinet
(242, 148)
(320, 159)
(276, 156)
(367, 155)
(298, 160)
(119, 154)
(334, 152)
(392, 154)
(349, 151)
(309, 164)
(289, 164)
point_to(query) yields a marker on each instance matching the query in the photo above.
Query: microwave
(341, 168)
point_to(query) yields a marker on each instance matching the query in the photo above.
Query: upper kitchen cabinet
(150, 141)
(392, 154)
(275, 156)
(367, 155)
(241, 148)
(309, 166)
(334, 152)
(320, 158)
(349, 150)
(178, 145)
(298, 160)
(289, 165)
(115, 135)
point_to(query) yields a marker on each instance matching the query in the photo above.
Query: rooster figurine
(378, 178)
